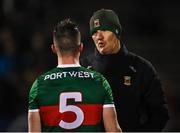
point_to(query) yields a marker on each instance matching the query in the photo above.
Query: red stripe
(51, 116)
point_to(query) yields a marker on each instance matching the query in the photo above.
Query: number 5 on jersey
(63, 107)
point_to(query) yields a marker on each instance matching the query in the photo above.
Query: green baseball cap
(105, 19)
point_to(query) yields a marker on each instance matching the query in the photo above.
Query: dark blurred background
(150, 28)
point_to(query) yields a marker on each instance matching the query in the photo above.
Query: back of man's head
(67, 37)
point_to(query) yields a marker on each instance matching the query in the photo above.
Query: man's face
(105, 41)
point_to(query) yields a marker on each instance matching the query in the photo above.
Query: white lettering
(46, 77)
(92, 75)
(59, 75)
(53, 76)
(86, 75)
(73, 74)
(64, 73)
(80, 74)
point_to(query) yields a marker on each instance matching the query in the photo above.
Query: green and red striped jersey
(70, 98)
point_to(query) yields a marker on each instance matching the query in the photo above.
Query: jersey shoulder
(98, 77)
(96, 74)
(42, 76)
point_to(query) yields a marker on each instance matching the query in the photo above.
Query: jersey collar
(68, 65)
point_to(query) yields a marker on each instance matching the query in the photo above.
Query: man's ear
(81, 47)
(53, 48)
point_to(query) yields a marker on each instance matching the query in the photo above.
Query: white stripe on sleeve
(33, 110)
(108, 105)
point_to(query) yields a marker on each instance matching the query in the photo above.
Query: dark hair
(67, 36)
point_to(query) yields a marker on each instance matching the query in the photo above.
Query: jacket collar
(68, 65)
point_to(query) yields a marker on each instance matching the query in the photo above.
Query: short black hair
(67, 36)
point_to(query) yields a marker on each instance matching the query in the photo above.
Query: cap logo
(96, 23)
(127, 80)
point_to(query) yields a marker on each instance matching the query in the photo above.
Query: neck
(68, 60)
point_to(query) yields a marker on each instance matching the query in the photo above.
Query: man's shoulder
(42, 76)
(141, 62)
(139, 59)
(90, 70)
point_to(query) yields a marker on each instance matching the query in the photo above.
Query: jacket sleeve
(154, 100)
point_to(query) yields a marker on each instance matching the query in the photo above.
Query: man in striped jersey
(70, 97)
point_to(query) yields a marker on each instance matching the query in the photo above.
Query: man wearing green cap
(137, 91)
